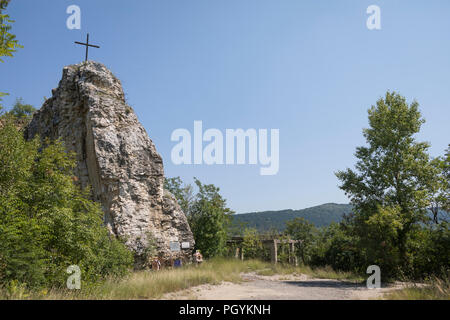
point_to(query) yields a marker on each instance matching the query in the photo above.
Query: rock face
(116, 158)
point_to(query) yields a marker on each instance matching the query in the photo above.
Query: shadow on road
(326, 284)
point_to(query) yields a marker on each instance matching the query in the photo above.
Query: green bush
(306, 232)
(431, 254)
(207, 214)
(335, 247)
(251, 244)
(46, 222)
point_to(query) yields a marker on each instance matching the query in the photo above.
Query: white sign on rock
(185, 245)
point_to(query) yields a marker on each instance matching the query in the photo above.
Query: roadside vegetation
(154, 284)
(435, 289)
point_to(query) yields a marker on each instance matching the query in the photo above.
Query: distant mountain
(320, 216)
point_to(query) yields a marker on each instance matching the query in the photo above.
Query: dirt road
(255, 287)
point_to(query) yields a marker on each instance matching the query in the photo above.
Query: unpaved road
(255, 287)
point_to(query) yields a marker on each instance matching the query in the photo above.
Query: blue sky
(308, 68)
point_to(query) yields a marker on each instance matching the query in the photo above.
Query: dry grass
(321, 273)
(148, 284)
(153, 285)
(436, 289)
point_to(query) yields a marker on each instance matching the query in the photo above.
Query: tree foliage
(251, 244)
(184, 193)
(8, 42)
(46, 222)
(440, 195)
(207, 213)
(392, 185)
(306, 232)
(22, 110)
(392, 189)
(209, 220)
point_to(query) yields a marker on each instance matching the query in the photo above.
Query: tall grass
(153, 285)
(148, 284)
(321, 273)
(435, 289)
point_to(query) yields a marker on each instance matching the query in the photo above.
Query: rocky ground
(281, 287)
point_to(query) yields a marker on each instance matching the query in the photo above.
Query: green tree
(1, 99)
(251, 244)
(209, 220)
(300, 229)
(440, 197)
(184, 193)
(21, 109)
(390, 188)
(8, 42)
(207, 214)
(46, 222)
(446, 181)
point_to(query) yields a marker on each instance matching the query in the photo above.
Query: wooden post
(242, 254)
(236, 255)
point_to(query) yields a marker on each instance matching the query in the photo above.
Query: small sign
(185, 245)
(175, 246)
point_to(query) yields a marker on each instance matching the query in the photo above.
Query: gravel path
(278, 287)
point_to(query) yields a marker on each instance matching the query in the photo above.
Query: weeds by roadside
(322, 273)
(435, 289)
(147, 284)
(153, 285)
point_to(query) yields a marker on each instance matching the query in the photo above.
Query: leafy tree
(1, 107)
(207, 214)
(335, 246)
(182, 192)
(46, 222)
(22, 110)
(300, 229)
(393, 181)
(440, 198)
(431, 251)
(446, 179)
(209, 220)
(251, 244)
(8, 42)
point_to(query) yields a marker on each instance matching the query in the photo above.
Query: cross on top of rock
(87, 45)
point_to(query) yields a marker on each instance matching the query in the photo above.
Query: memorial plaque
(185, 245)
(175, 246)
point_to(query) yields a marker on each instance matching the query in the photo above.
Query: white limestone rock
(115, 157)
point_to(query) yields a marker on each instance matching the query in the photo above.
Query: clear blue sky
(308, 68)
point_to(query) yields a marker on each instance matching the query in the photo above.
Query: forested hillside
(320, 216)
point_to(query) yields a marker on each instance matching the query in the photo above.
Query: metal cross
(87, 45)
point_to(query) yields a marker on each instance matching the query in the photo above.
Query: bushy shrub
(46, 222)
(251, 244)
(337, 248)
(431, 251)
(306, 232)
(207, 214)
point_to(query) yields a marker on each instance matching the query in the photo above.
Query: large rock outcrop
(115, 157)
